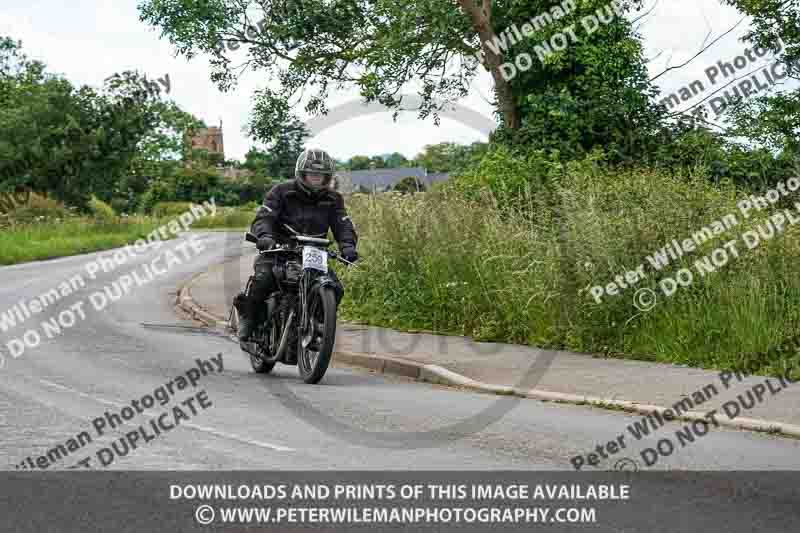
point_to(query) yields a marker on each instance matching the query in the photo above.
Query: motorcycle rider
(309, 206)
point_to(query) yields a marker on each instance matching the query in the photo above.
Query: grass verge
(33, 242)
(441, 262)
(51, 232)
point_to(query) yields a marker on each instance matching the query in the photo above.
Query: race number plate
(315, 258)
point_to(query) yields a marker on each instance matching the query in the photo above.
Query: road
(353, 420)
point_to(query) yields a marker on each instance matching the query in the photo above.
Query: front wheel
(316, 344)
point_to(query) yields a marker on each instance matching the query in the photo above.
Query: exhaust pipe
(284, 337)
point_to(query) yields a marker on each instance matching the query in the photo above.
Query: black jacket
(286, 203)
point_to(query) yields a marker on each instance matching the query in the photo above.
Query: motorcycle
(301, 326)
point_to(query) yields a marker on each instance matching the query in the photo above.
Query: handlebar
(299, 238)
(249, 237)
(340, 258)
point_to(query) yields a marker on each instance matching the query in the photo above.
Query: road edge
(441, 376)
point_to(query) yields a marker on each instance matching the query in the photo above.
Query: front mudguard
(327, 281)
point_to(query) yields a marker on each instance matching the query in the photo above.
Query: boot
(247, 324)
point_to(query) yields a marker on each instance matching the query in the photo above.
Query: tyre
(316, 345)
(252, 348)
(255, 350)
(266, 342)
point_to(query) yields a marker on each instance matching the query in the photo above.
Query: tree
(396, 160)
(71, 142)
(593, 93)
(256, 161)
(377, 161)
(160, 153)
(450, 156)
(359, 162)
(772, 121)
(774, 22)
(165, 142)
(409, 184)
(380, 45)
(286, 146)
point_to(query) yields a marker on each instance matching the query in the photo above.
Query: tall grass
(441, 262)
(228, 218)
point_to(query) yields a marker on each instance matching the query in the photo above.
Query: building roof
(382, 178)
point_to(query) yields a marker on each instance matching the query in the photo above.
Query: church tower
(209, 139)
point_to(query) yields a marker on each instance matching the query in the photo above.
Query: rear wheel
(259, 345)
(316, 344)
(266, 346)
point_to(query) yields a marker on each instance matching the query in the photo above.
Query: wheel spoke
(317, 339)
(312, 339)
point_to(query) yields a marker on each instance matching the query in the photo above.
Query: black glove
(349, 254)
(265, 242)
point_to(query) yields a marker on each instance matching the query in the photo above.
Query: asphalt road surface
(352, 420)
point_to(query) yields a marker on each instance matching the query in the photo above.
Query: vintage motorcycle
(301, 329)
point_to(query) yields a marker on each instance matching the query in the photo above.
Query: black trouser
(263, 283)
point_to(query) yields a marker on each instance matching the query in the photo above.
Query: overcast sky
(88, 40)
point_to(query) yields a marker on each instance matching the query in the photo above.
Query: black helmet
(315, 161)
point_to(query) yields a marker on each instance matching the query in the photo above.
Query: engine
(293, 271)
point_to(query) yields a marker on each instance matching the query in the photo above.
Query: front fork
(309, 283)
(305, 282)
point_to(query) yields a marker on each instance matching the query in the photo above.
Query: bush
(101, 210)
(159, 190)
(198, 185)
(229, 217)
(39, 208)
(123, 205)
(509, 177)
(170, 209)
